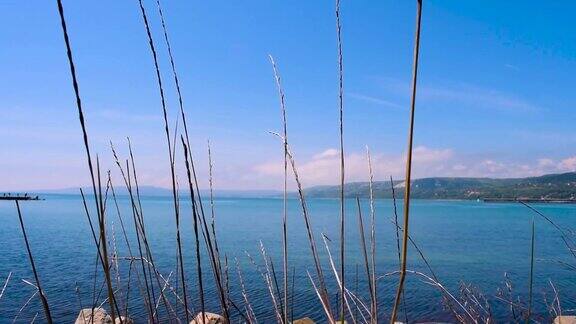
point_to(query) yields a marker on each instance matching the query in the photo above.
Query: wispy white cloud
(461, 95)
(323, 167)
(374, 100)
(474, 96)
(567, 164)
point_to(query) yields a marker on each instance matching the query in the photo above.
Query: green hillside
(551, 186)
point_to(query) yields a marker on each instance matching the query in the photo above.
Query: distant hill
(160, 192)
(551, 186)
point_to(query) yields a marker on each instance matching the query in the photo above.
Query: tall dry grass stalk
(269, 280)
(5, 284)
(341, 110)
(285, 194)
(139, 215)
(366, 262)
(374, 308)
(338, 280)
(212, 243)
(149, 267)
(397, 231)
(320, 297)
(33, 266)
(170, 150)
(531, 276)
(97, 198)
(25, 305)
(129, 248)
(212, 207)
(408, 177)
(570, 244)
(265, 274)
(321, 289)
(276, 285)
(249, 311)
(138, 225)
(196, 235)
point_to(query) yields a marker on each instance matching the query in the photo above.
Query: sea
(477, 252)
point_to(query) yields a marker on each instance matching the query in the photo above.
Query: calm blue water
(468, 242)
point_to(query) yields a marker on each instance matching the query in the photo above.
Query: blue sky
(495, 94)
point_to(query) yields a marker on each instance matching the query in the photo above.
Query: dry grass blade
(322, 289)
(5, 284)
(227, 281)
(139, 234)
(556, 299)
(285, 194)
(320, 297)
(160, 279)
(341, 110)
(86, 146)
(138, 218)
(31, 258)
(397, 230)
(418, 249)
(431, 281)
(170, 152)
(34, 319)
(360, 305)
(374, 307)
(163, 289)
(210, 242)
(24, 306)
(103, 245)
(127, 242)
(531, 277)
(115, 257)
(408, 165)
(567, 241)
(270, 283)
(338, 281)
(214, 255)
(322, 286)
(212, 208)
(267, 280)
(196, 235)
(248, 306)
(141, 231)
(366, 263)
(276, 285)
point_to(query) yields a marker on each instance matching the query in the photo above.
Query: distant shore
(529, 200)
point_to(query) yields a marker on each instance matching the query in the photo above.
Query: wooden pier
(18, 197)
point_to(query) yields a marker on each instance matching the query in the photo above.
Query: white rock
(209, 318)
(565, 320)
(99, 316)
(96, 316)
(304, 320)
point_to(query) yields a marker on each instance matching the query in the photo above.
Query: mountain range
(547, 187)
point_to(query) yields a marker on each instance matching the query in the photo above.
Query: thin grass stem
(408, 177)
(33, 266)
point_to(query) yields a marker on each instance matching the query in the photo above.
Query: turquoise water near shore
(464, 241)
